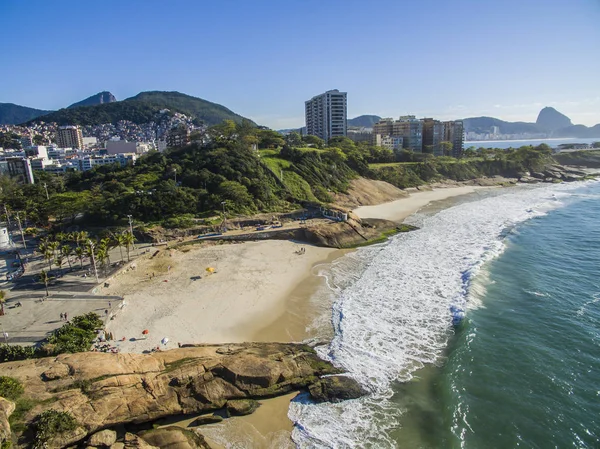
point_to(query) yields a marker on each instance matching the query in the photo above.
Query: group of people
(301, 251)
(63, 317)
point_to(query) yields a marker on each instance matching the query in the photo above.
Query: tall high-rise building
(411, 130)
(69, 137)
(326, 115)
(433, 135)
(454, 133)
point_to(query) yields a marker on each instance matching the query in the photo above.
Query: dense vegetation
(142, 109)
(230, 176)
(10, 388)
(75, 336)
(421, 169)
(51, 423)
(586, 158)
(13, 114)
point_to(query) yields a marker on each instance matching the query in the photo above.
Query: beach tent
(145, 332)
(165, 340)
(210, 269)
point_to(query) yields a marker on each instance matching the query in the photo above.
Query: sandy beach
(400, 209)
(259, 291)
(172, 295)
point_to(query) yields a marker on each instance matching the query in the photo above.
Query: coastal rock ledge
(120, 391)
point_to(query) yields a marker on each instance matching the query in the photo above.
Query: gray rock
(211, 419)
(240, 407)
(336, 389)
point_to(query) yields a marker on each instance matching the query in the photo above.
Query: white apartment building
(326, 115)
(87, 162)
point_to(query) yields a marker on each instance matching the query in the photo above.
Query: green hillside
(141, 109)
(13, 114)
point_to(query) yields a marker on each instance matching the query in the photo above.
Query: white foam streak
(392, 316)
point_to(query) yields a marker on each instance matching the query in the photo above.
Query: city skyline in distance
(264, 61)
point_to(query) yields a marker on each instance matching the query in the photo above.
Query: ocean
(520, 371)
(503, 144)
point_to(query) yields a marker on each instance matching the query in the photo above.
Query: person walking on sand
(62, 316)
(66, 316)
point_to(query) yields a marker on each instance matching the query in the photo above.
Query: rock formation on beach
(113, 391)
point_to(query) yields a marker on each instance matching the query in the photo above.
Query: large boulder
(104, 438)
(173, 437)
(336, 389)
(133, 441)
(240, 407)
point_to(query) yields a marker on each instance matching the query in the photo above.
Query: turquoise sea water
(523, 370)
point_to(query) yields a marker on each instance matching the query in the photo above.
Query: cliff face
(107, 390)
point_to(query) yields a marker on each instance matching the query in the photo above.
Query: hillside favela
(299, 225)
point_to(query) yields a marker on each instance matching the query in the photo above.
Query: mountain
(99, 98)
(12, 114)
(483, 125)
(364, 121)
(549, 122)
(142, 108)
(551, 119)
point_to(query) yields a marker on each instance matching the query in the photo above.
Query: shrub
(51, 423)
(9, 353)
(10, 388)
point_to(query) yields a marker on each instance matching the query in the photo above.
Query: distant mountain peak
(99, 98)
(364, 121)
(550, 119)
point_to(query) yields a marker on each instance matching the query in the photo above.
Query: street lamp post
(21, 231)
(131, 229)
(224, 214)
(46, 189)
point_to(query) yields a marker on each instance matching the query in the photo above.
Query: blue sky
(263, 58)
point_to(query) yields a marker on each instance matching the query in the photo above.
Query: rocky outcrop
(553, 174)
(335, 389)
(240, 407)
(6, 409)
(351, 233)
(104, 438)
(103, 390)
(174, 438)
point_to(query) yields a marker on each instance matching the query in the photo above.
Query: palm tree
(81, 236)
(129, 239)
(80, 252)
(90, 252)
(107, 244)
(102, 255)
(49, 257)
(66, 251)
(120, 239)
(59, 261)
(54, 246)
(2, 301)
(61, 237)
(44, 279)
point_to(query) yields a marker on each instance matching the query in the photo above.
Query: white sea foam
(391, 313)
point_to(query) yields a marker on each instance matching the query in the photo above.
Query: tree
(447, 148)
(102, 257)
(80, 252)
(596, 145)
(59, 261)
(120, 240)
(293, 139)
(90, 252)
(129, 239)
(49, 257)
(2, 301)
(66, 251)
(44, 279)
(314, 141)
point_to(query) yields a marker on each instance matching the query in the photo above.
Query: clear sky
(264, 58)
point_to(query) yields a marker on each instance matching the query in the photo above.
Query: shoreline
(261, 291)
